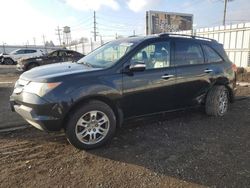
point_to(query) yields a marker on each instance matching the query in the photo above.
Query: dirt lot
(184, 149)
(8, 76)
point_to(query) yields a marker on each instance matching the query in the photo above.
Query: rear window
(211, 54)
(187, 53)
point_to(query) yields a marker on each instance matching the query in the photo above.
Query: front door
(151, 90)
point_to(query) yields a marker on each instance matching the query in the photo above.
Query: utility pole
(58, 32)
(44, 43)
(225, 12)
(4, 47)
(34, 39)
(44, 40)
(95, 33)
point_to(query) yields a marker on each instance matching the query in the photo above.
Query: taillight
(234, 67)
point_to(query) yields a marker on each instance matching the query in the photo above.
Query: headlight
(40, 89)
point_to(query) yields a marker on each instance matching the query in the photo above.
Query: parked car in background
(2, 58)
(57, 56)
(13, 57)
(123, 79)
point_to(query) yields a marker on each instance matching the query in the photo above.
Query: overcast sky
(24, 20)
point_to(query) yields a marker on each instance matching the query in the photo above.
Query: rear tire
(91, 125)
(217, 101)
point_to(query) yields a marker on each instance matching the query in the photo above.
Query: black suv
(125, 78)
(56, 56)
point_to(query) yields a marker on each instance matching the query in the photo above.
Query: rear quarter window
(211, 55)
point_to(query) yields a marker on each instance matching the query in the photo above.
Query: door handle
(208, 70)
(167, 76)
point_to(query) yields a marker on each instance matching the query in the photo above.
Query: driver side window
(156, 55)
(54, 54)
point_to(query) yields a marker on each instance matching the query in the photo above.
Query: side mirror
(137, 67)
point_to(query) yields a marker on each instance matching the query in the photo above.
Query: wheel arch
(116, 109)
(10, 58)
(30, 64)
(225, 82)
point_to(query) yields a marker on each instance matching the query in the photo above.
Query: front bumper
(1, 60)
(19, 67)
(37, 111)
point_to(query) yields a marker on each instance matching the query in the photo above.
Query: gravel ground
(184, 149)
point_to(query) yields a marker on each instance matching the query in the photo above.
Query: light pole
(4, 47)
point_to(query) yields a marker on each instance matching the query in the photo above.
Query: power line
(119, 17)
(109, 19)
(83, 21)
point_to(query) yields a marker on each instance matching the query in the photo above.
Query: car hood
(48, 73)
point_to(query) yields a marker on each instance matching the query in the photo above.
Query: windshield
(107, 55)
(14, 52)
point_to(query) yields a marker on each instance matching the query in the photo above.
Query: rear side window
(20, 52)
(187, 53)
(30, 51)
(54, 54)
(71, 54)
(62, 53)
(211, 54)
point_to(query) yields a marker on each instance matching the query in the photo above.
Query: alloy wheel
(92, 127)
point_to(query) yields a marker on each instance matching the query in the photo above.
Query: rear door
(30, 53)
(72, 56)
(151, 90)
(213, 59)
(50, 58)
(193, 74)
(62, 56)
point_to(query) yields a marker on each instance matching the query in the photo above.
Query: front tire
(217, 101)
(91, 125)
(9, 61)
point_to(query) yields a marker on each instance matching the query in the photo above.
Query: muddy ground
(184, 149)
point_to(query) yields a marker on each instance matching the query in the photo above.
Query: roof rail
(184, 35)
